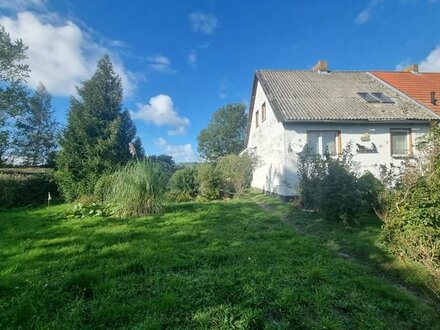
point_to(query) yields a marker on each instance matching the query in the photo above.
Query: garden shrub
(184, 182)
(340, 198)
(411, 210)
(210, 180)
(371, 189)
(138, 188)
(26, 189)
(236, 173)
(329, 185)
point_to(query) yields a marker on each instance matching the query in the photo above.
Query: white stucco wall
(276, 144)
(266, 142)
(379, 133)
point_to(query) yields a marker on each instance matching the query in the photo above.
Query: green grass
(220, 265)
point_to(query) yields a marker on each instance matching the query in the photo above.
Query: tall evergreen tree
(97, 135)
(13, 73)
(36, 130)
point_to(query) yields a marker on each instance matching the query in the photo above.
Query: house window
(400, 142)
(263, 112)
(256, 117)
(321, 142)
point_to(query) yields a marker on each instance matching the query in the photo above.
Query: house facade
(327, 111)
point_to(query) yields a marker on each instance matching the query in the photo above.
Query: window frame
(263, 112)
(338, 139)
(409, 142)
(256, 118)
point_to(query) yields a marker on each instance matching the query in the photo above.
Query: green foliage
(103, 187)
(13, 73)
(225, 133)
(81, 210)
(411, 210)
(211, 182)
(96, 139)
(25, 189)
(36, 130)
(184, 182)
(329, 185)
(236, 173)
(138, 188)
(371, 189)
(222, 265)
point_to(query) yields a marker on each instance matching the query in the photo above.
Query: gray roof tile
(309, 95)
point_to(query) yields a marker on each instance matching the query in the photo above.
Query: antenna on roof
(414, 68)
(322, 65)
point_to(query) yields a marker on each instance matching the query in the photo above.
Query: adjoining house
(327, 110)
(423, 87)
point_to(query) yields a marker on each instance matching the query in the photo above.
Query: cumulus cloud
(160, 112)
(160, 63)
(365, 15)
(61, 54)
(180, 153)
(203, 22)
(432, 61)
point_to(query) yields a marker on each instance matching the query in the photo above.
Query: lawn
(230, 264)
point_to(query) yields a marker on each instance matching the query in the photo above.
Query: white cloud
(60, 54)
(192, 58)
(365, 15)
(160, 112)
(403, 64)
(180, 153)
(160, 63)
(432, 62)
(19, 5)
(203, 22)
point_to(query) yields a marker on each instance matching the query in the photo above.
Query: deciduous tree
(225, 133)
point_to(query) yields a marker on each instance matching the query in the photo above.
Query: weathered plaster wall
(296, 138)
(266, 142)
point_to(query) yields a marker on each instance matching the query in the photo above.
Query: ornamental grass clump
(138, 188)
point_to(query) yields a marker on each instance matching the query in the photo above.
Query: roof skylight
(375, 97)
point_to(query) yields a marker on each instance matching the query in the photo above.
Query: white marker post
(49, 198)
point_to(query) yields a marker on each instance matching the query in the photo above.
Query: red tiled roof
(416, 85)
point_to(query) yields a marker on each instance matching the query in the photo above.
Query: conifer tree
(13, 73)
(98, 133)
(36, 130)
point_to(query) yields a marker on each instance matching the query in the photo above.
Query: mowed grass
(222, 265)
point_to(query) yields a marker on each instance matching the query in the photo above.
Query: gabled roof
(416, 85)
(333, 96)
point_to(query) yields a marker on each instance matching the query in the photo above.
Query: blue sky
(182, 60)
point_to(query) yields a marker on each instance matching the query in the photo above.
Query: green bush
(329, 185)
(236, 173)
(138, 188)
(411, 210)
(210, 180)
(340, 198)
(26, 189)
(371, 189)
(184, 182)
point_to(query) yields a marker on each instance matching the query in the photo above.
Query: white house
(326, 110)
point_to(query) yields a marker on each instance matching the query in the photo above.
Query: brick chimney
(411, 68)
(322, 65)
